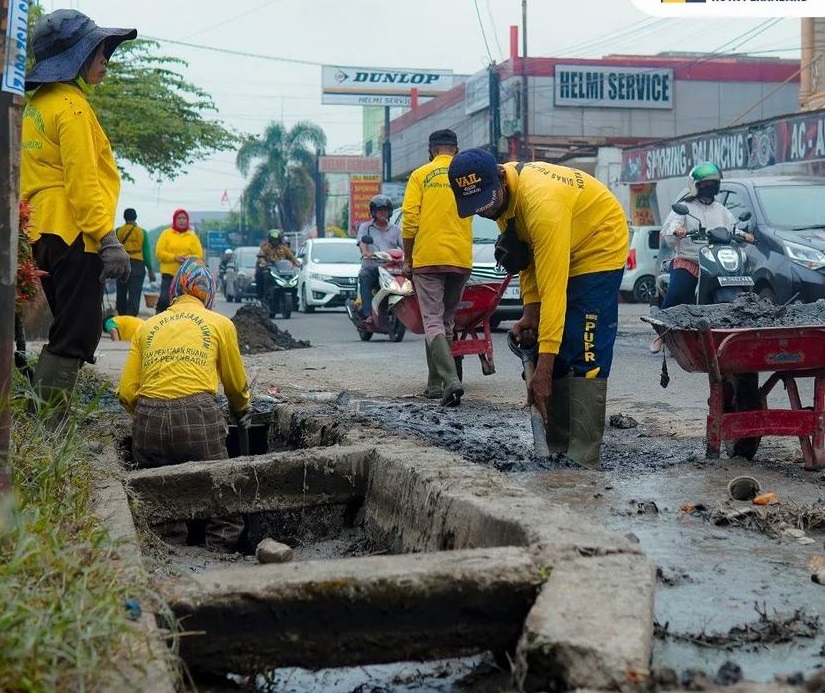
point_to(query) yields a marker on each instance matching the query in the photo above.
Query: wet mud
(258, 334)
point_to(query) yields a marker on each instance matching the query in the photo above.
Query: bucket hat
(63, 40)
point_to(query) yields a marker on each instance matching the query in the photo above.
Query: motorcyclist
(272, 249)
(224, 263)
(385, 237)
(704, 180)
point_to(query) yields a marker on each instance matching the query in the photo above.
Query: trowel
(528, 361)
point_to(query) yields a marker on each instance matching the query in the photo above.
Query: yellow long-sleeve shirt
(126, 326)
(431, 218)
(172, 243)
(575, 226)
(184, 351)
(67, 169)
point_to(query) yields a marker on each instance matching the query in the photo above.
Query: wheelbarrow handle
(528, 362)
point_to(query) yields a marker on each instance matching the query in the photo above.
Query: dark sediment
(258, 334)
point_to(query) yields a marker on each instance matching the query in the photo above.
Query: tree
(281, 191)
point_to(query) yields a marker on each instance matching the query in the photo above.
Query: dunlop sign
(380, 86)
(593, 86)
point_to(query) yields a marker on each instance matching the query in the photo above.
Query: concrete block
(271, 551)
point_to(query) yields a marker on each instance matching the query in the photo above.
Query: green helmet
(704, 174)
(276, 234)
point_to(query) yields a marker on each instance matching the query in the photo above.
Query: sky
(260, 60)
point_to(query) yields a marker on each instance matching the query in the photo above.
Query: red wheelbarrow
(738, 407)
(472, 321)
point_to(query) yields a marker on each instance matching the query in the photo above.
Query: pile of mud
(257, 334)
(747, 311)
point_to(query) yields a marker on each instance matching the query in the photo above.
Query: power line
(231, 19)
(493, 24)
(228, 51)
(483, 33)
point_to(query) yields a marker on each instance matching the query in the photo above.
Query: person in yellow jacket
(170, 381)
(69, 178)
(175, 245)
(136, 242)
(120, 328)
(567, 235)
(438, 256)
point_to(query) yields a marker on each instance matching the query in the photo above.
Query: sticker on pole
(732, 8)
(14, 61)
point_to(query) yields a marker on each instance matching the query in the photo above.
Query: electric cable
(483, 33)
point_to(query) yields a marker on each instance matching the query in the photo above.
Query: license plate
(735, 281)
(511, 292)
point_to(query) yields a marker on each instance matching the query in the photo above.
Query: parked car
(787, 259)
(639, 279)
(329, 273)
(240, 274)
(485, 234)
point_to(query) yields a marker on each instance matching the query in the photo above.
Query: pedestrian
(438, 256)
(175, 245)
(567, 235)
(69, 177)
(136, 241)
(170, 382)
(385, 236)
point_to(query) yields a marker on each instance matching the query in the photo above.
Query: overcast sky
(285, 42)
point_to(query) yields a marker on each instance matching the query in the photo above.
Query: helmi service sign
(380, 86)
(613, 87)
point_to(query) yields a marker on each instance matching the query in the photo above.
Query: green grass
(63, 620)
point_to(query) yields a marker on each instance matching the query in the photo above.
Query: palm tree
(281, 191)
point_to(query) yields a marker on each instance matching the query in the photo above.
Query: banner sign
(643, 206)
(783, 140)
(348, 163)
(361, 190)
(380, 86)
(613, 87)
(14, 61)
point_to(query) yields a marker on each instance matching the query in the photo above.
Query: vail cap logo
(473, 177)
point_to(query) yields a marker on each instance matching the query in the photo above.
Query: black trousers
(75, 295)
(129, 291)
(163, 299)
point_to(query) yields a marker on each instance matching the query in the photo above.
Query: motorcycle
(392, 287)
(281, 293)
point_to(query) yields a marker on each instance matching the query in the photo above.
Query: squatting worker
(170, 379)
(136, 241)
(69, 177)
(438, 256)
(175, 245)
(566, 234)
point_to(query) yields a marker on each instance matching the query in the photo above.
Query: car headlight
(320, 277)
(804, 255)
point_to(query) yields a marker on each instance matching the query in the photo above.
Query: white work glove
(115, 259)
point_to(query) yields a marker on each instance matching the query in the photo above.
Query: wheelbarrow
(472, 334)
(738, 406)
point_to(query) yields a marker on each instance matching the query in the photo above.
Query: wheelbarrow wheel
(364, 335)
(743, 395)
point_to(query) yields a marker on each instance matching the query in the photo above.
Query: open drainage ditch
(423, 557)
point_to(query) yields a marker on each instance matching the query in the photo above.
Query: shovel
(528, 357)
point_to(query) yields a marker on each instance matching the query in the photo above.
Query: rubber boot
(557, 426)
(54, 381)
(434, 389)
(588, 403)
(445, 365)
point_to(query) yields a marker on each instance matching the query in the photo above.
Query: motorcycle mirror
(679, 208)
(366, 239)
(744, 216)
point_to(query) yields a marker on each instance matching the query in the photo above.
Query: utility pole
(320, 197)
(494, 85)
(13, 32)
(386, 148)
(525, 150)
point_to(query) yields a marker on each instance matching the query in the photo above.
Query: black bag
(511, 253)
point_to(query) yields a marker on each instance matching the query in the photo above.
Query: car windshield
(246, 258)
(793, 206)
(336, 253)
(484, 230)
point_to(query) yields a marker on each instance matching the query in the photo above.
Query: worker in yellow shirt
(120, 328)
(567, 235)
(170, 380)
(136, 242)
(438, 257)
(175, 245)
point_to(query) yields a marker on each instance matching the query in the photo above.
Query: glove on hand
(243, 418)
(115, 259)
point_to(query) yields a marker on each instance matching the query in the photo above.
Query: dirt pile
(747, 311)
(258, 334)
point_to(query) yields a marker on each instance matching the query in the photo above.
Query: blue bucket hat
(63, 40)
(473, 176)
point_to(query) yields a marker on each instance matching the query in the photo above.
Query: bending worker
(566, 234)
(170, 381)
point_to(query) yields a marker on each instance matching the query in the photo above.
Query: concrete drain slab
(476, 564)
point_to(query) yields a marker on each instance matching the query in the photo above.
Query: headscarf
(193, 278)
(175, 220)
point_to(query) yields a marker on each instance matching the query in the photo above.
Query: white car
(329, 273)
(639, 279)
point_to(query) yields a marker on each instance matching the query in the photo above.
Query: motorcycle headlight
(728, 258)
(804, 255)
(293, 281)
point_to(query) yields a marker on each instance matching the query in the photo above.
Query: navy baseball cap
(473, 176)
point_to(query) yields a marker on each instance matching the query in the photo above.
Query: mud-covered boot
(434, 389)
(54, 381)
(588, 403)
(445, 365)
(557, 427)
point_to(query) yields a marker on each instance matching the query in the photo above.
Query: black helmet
(380, 202)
